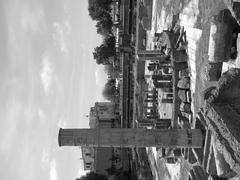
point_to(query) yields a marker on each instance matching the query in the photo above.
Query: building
(104, 114)
(115, 15)
(103, 159)
(88, 158)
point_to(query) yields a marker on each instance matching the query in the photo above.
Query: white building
(88, 158)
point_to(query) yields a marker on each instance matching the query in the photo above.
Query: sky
(48, 79)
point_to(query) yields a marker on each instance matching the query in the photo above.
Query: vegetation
(97, 9)
(100, 11)
(109, 90)
(108, 69)
(106, 50)
(104, 26)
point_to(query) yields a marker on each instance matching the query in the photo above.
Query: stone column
(150, 100)
(153, 92)
(162, 84)
(162, 77)
(151, 96)
(163, 123)
(146, 122)
(144, 55)
(149, 107)
(170, 90)
(152, 117)
(167, 101)
(131, 137)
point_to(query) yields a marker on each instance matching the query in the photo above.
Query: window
(117, 160)
(88, 164)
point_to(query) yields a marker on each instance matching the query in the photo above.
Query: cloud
(41, 114)
(62, 123)
(61, 30)
(53, 171)
(46, 73)
(101, 79)
(67, 9)
(96, 77)
(67, 26)
(100, 76)
(45, 159)
(12, 112)
(32, 18)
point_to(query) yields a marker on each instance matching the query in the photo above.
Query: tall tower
(126, 137)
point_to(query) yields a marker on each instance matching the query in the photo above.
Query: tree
(104, 51)
(97, 13)
(108, 69)
(109, 89)
(100, 12)
(97, 9)
(93, 176)
(104, 26)
(110, 41)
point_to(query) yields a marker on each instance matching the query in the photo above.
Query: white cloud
(46, 73)
(32, 18)
(41, 114)
(66, 9)
(101, 79)
(11, 115)
(61, 30)
(96, 77)
(53, 170)
(68, 27)
(100, 76)
(45, 159)
(62, 123)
